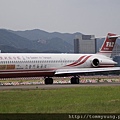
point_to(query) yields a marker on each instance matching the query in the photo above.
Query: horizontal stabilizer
(114, 36)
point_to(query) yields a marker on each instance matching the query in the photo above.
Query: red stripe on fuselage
(79, 62)
(83, 61)
(73, 64)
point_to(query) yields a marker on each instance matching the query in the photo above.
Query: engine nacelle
(98, 62)
(95, 62)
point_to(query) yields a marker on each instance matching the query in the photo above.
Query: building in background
(116, 54)
(116, 50)
(117, 59)
(85, 44)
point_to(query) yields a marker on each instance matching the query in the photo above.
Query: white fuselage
(50, 61)
(42, 65)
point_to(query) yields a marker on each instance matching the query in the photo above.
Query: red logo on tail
(109, 43)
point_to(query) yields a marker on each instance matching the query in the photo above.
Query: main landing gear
(48, 80)
(73, 80)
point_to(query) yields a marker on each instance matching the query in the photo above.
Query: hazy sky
(67, 16)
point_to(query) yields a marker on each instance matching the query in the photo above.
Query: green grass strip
(105, 99)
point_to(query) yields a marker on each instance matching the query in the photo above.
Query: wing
(85, 70)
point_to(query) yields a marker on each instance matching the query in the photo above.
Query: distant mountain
(11, 39)
(37, 34)
(16, 43)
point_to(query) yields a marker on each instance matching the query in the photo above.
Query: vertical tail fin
(108, 45)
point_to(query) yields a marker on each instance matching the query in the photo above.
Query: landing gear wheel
(48, 81)
(75, 80)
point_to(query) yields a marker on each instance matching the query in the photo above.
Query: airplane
(49, 65)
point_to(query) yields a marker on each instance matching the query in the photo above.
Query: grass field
(104, 99)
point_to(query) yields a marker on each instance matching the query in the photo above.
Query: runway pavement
(56, 86)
